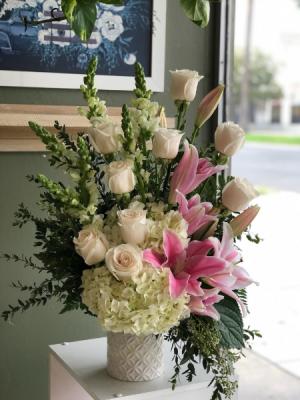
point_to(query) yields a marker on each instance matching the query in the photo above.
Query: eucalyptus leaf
(198, 11)
(230, 324)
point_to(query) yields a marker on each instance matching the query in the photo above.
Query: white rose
(120, 177)
(184, 84)
(166, 142)
(133, 225)
(124, 261)
(105, 137)
(229, 138)
(91, 245)
(237, 194)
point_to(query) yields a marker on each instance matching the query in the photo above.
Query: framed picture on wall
(50, 55)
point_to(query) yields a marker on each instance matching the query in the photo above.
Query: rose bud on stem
(184, 85)
(229, 138)
(237, 194)
(133, 225)
(165, 143)
(105, 137)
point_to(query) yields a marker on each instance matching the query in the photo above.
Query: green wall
(23, 345)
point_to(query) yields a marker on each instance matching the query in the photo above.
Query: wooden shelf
(15, 134)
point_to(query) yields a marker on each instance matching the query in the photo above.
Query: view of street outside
(266, 101)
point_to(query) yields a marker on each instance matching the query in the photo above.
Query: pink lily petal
(154, 258)
(196, 218)
(203, 305)
(183, 205)
(194, 212)
(227, 249)
(173, 248)
(194, 201)
(194, 287)
(222, 281)
(190, 172)
(204, 266)
(178, 284)
(213, 299)
(186, 169)
(242, 278)
(211, 312)
(196, 248)
(205, 170)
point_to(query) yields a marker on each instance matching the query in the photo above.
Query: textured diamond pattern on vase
(134, 358)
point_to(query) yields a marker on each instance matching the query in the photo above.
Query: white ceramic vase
(134, 358)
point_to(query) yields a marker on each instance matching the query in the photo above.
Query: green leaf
(67, 7)
(198, 11)
(230, 324)
(81, 15)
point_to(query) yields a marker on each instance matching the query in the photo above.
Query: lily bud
(208, 105)
(162, 118)
(240, 223)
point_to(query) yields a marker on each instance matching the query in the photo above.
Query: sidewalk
(259, 379)
(275, 264)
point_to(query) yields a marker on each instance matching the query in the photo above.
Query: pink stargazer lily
(185, 267)
(190, 172)
(204, 304)
(194, 212)
(232, 276)
(188, 265)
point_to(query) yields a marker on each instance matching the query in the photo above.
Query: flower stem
(182, 107)
(195, 133)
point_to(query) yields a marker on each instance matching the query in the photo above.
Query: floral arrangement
(144, 236)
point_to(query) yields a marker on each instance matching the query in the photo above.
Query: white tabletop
(86, 362)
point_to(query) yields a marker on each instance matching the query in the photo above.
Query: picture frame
(107, 81)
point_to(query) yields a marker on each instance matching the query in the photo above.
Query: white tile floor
(275, 263)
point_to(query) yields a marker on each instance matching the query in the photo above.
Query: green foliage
(198, 11)
(197, 340)
(230, 324)
(140, 83)
(254, 238)
(129, 140)
(82, 14)
(56, 260)
(97, 108)
(263, 83)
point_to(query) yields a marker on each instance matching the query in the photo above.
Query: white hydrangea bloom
(141, 306)
(172, 220)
